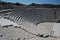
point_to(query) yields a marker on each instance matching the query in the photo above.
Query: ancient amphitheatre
(30, 23)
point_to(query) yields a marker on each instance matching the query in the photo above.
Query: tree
(33, 4)
(17, 4)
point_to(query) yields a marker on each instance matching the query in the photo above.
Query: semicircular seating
(34, 16)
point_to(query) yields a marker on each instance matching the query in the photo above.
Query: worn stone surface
(31, 23)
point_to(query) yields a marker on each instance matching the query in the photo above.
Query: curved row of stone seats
(4, 15)
(24, 16)
(6, 7)
(6, 11)
(17, 18)
(36, 15)
(14, 18)
(13, 15)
